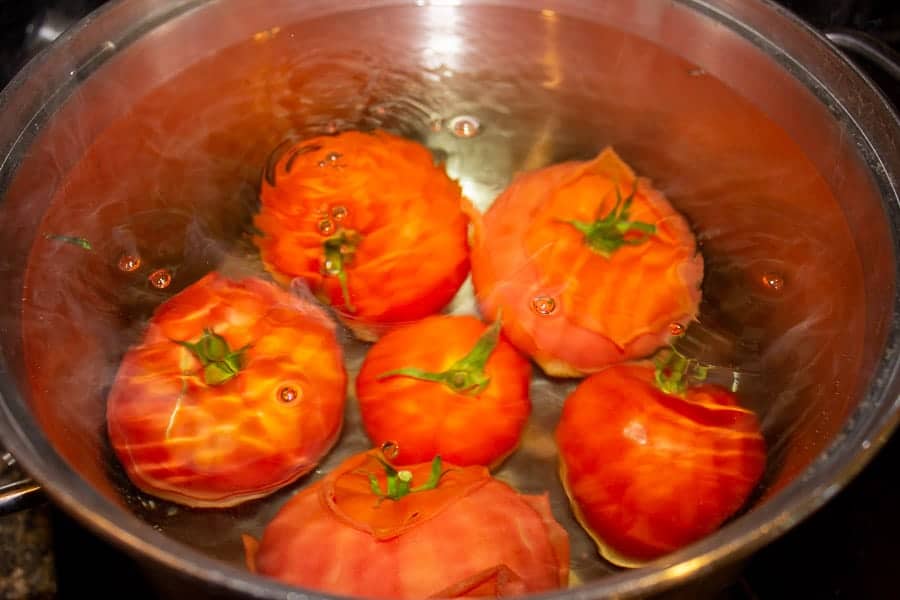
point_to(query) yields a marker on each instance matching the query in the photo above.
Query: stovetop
(850, 549)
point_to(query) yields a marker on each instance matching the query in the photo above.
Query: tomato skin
(604, 310)
(472, 535)
(426, 418)
(185, 440)
(648, 472)
(413, 254)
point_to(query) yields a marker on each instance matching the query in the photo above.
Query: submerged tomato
(236, 389)
(369, 223)
(649, 471)
(448, 386)
(429, 530)
(588, 263)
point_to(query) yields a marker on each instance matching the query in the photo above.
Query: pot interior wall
(158, 154)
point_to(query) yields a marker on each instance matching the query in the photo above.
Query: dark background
(850, 549)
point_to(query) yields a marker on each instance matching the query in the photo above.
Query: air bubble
(128, 263)
(543, 305)
(325, 227)
(288, 394)
(676, 329)
(773, 281)
(465, 126)
(160, 279)
(339, 213)
(333, 156)
(390, 449)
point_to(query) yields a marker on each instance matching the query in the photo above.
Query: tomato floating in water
(448, 386)
(369, 223)
(652, 461)
(425, 530)
(589, 264)
(236, 389)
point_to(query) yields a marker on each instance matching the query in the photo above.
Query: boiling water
(167, 192)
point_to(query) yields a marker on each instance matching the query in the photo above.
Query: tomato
(446, 385)
(370, 530)
(589, 264)
(653, 465)
(369, 223)
(237, 388)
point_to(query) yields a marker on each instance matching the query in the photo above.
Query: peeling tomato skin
(412, 256)
(183, 439)
(649, 473)
(319, 539)
(426, 418)
(606, 309)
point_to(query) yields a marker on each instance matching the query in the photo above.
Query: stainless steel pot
(150, 113)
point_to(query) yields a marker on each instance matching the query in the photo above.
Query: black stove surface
(850, 549)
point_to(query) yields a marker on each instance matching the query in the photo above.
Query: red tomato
(461, 392)
(446, 531)
(588, 263)
(649, 471)
(369, 223)
(236, 389)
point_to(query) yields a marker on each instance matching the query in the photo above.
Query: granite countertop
(26, 551)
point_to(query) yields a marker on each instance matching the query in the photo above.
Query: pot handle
(18, 495)
(867, 46)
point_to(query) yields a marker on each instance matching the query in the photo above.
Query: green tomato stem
(70, 239)
(220, 363)
(675, 372)
(608, 233)
(466, 375)
(339, 251)
(399, 483)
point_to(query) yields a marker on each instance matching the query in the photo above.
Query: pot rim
(868, 428)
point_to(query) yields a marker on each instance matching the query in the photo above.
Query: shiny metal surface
(868, 47)
(19, 495)
(91, 78)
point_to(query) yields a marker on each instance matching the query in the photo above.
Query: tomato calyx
(465, 376)
(608, 233)
(674, 371)
(399, 483)
(220, 362)
(339, 251)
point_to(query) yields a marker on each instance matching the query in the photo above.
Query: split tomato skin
(428, 418)
(472, 535)
(212, 439)
(369, 223)
(648, 472)
(566, 304)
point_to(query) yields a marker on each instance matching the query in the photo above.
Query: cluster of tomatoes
(239, 387)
